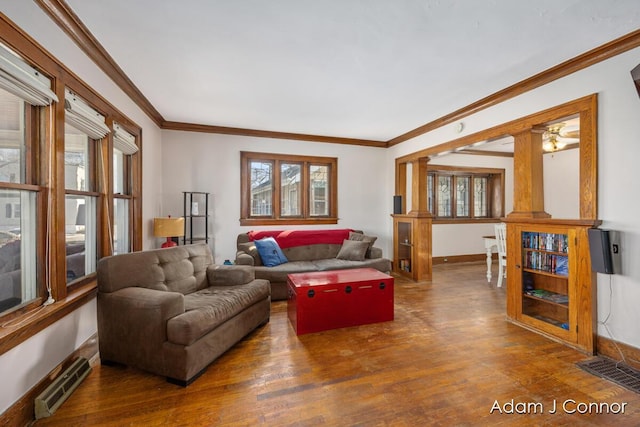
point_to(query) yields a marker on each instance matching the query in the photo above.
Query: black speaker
(397, 204)
(635, 75)
(600, 251)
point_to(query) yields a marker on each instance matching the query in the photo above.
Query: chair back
(501, 237)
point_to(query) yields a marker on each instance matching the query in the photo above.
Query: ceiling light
(552, 144)
(552, 140)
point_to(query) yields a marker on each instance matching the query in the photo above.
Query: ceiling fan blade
(571, 134)
(571, 131)
(568, 140)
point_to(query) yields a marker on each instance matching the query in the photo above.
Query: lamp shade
(168, 227)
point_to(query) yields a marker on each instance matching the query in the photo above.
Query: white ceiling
(370, 69)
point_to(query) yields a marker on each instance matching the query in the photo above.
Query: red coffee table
(337, 299)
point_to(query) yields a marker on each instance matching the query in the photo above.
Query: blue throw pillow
(270, 252)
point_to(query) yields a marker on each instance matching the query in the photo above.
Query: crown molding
(62, 14)
(69, 22)
(190, 127)
(606, 51)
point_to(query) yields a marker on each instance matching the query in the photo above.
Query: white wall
(211, 163)
(25, 365)
(618, 153)
(562, 184)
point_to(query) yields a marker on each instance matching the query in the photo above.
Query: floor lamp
(168, 227)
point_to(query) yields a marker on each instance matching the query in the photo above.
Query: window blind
(123, 140)
(84, 118)
(21, 79)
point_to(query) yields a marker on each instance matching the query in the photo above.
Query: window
(282, 189)
(80, 203)
(290, 179)
(60, 206)
(457, 193)
(124, 147)
(84, 130)
(23, 95)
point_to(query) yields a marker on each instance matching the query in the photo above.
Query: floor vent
(54, 395)
(616, 372)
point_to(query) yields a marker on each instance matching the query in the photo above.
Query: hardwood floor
(448, 358)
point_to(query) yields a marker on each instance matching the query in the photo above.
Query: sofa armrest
(132, 322)
(243, 258)
(221, 275)
(375, 253)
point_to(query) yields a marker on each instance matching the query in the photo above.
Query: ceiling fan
(558, 135)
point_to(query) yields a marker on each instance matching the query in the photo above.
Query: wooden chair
(501, 237)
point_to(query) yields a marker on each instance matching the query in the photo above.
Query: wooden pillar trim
(528, 177)
(419, 186)
(401, 184)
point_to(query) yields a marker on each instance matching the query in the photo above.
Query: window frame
(44, 174)
(35, 120)
(276, 216)
(126, 194)
(94, 147)
(495, 192)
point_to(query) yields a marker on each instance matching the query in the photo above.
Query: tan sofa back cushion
(179, 269)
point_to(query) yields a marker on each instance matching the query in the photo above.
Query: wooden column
(419, 187)
(401, 184)
(412, 256)
(528, 182)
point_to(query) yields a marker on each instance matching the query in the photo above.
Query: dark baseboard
(616, 350)
(22, 413)
(450, 259)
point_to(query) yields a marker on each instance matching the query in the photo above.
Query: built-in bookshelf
(411, 246)
(545, 252)
(550, 285)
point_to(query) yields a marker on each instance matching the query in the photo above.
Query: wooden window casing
(304, 192)
(494, 193)
(45, 175)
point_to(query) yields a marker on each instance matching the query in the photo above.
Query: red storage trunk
(336, 299)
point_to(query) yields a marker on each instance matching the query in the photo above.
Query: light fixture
(168, 227)
(551, 143)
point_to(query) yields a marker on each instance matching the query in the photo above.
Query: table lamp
(168, 227)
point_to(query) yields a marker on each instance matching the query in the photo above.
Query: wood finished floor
(448, 356)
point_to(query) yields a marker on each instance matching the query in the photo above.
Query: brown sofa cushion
(360, 237)
(353, 250)
(223, 275)
(182, 269)
(210, 307)
(250, 248)
(279, 273)
(381, 264)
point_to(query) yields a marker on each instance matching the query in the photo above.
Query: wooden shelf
(545, 273)
(545, 300)
(564, 308)
(412, 246)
